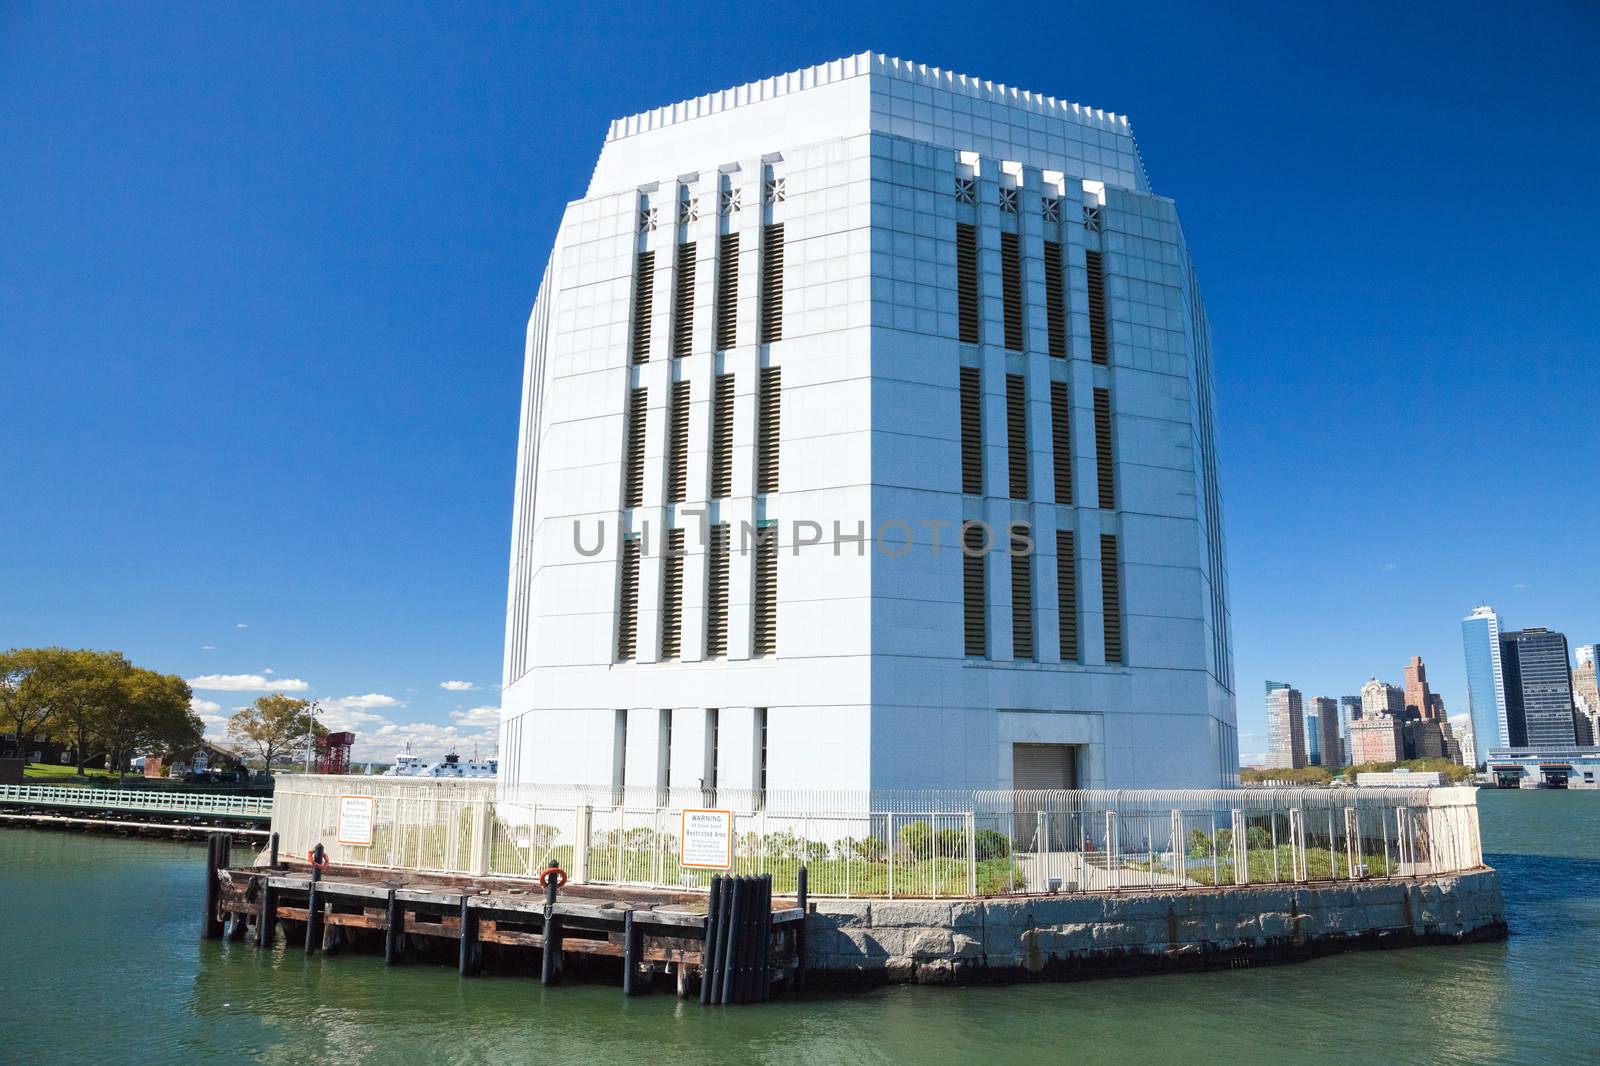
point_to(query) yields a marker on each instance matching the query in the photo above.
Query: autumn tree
(273, 725)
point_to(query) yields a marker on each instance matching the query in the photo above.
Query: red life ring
(554, 873)
(317, 864)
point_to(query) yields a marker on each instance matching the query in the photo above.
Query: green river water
(101, 961)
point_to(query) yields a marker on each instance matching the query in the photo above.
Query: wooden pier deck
(653, 937)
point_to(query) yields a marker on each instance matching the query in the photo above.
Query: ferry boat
(408, 765)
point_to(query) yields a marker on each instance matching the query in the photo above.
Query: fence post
(1297, 843)
(1180, 853)
(482, 837)
(1352, 841)
(1241, 850)
(582, 818)
(972, 853)
(890, 850)
(1115, 877)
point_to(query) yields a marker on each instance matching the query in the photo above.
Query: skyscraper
(1349, 711)
(1486, 692)
(1538, 687)
(1586, 689)
(870, 295)
(1419, 697)
(1286, 740)
(1330, 743)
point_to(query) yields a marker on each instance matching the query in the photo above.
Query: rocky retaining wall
(1028, 938)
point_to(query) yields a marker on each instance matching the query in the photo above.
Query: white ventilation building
(820, 332)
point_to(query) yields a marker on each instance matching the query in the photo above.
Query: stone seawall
(1043, 937)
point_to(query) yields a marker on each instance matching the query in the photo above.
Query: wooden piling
(210, 922)
(267, 919)
(313, 914)
(468, 963)
(630, 954)
(800, 934)
(394, 930)
(730, 950)
(707, 950)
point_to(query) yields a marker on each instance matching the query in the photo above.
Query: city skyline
(268, 361)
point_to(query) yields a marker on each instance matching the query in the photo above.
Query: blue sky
(263, 284)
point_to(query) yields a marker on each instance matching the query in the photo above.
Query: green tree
(86, 690)
(274, 724)
(26, 690)
(151, 712)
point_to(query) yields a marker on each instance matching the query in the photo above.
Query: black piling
(210, 923)
(468, 964)
(267, 920)
(800, 935)
(750, 920)
(730, 948)
(630, 954)
(272, 851)
(394, 930)
(708, 949)
(550, 965)
(313, 914)
(764, 942)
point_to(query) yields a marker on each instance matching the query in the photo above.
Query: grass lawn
(44, 773)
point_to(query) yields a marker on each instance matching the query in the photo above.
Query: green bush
(991, 844)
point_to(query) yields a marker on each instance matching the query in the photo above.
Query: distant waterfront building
(869, 296)
(1313, 740)
(1376, 738)
(1538, 685)
(1469, 745)
(1486, 694)
(1380, 697)
(1286, 741)
(1586, 690)
(1324, 711)
(1553, 766)
(1419, 697)
(1349, 711)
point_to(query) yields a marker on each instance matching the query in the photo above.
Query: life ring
(552, 873)
(318, 858)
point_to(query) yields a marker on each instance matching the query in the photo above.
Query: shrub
(991, 844)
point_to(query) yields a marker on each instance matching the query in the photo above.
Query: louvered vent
(766, 599)
(1067, 593)
(1021, 595)
(972, 559)
(971, 431)
(1011, 289)
(678, 444)
(1017, 435)
(1097, 306)
(967, 282)
(1054, 300)
(633, 487)
(727, 291)
(772, 283)
(683, 301)
(644, 288)
(722, 438)
(672, 596)
(1111, 589)
(767, 435)
(717, 591)
(1061, 440)
(1105, 466)
(628, 600)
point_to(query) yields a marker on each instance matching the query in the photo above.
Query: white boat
(409, 765)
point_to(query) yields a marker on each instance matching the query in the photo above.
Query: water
(101, 961)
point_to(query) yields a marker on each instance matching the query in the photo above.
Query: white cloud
(484, 717)
(457, 686)
(208, 647)
(246, 683)
(203, 707)
(1521, 585)
(1388, 566)
(346, 713)
(241, 625)
(269, 670)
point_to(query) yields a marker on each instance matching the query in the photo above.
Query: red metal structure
(335, 753)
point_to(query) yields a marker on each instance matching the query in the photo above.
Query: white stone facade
(864, 162)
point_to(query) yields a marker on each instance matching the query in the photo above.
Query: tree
(273, 725)
(26, 696)
(151, 711)
(86, 691)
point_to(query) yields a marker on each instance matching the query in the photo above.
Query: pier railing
(897, 844)
(147, 801)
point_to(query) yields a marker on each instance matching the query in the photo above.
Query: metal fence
(136, 799)
(899, 844)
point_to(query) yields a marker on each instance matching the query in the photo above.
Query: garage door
(1043, 766)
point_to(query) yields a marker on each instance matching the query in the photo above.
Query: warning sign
(356, 815)
(707, 840)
